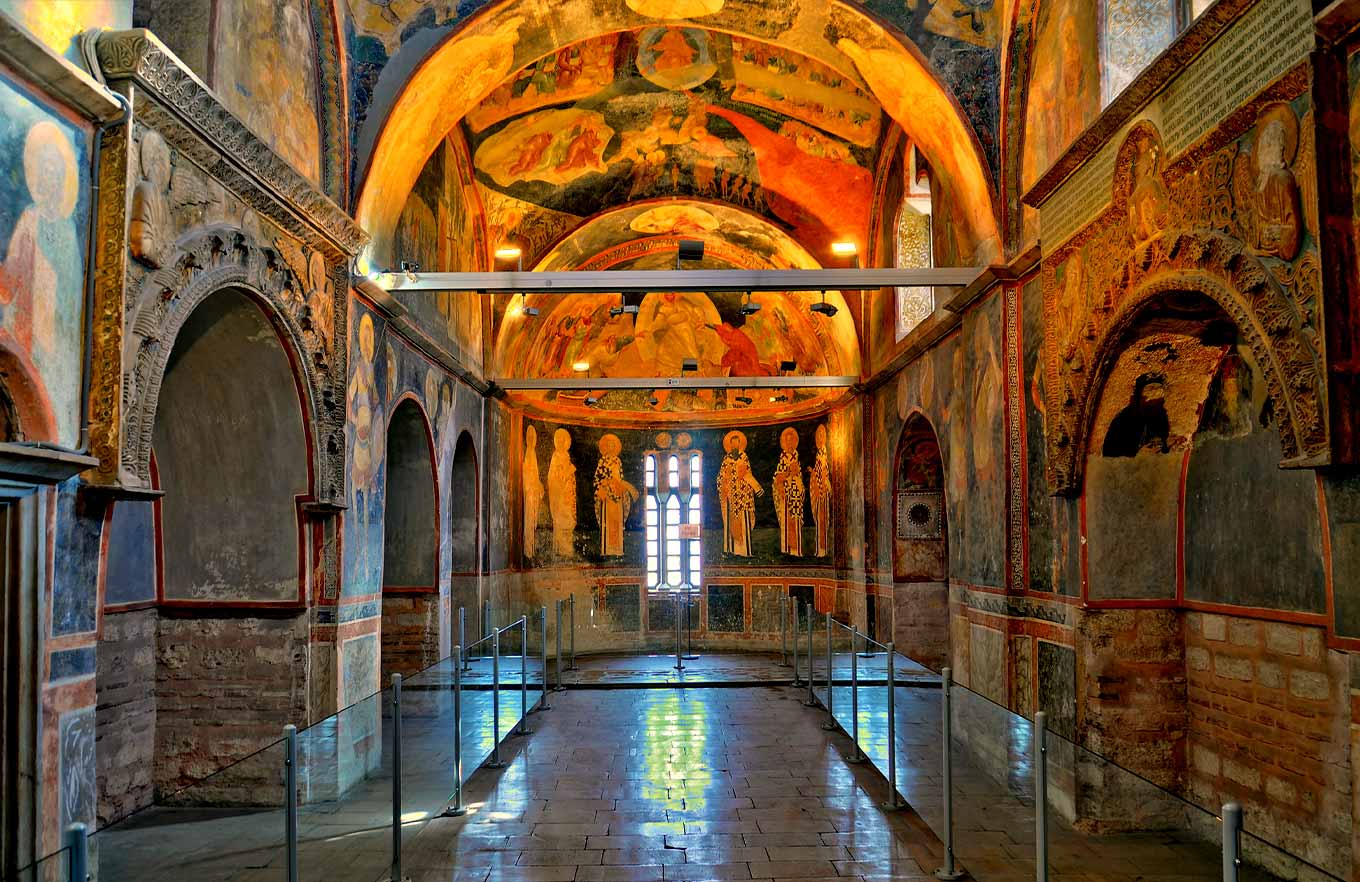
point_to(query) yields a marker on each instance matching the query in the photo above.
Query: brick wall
(225, 687)
(125, 713)
(1269, 727)
(410, 633)
(1131, 710)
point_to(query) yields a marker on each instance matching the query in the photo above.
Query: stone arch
(411, 514)
(465, 519)
(920, 550)
(24, 405)
(205, 262)
(1266, 310)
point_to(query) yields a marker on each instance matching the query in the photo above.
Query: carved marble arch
(204, 263)
(1225, 271)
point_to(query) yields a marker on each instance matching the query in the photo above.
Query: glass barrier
(229, 822)
(374, 773)
(53, 868)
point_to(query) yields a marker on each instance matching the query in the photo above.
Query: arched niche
(232, 459)
(464, 507)
(920, 546)
(410, 544)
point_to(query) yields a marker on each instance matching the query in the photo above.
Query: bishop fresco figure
(613, 496)
(737, 492)
(562, 494)
(788, 494)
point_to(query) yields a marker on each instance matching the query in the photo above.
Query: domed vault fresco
(575, 336)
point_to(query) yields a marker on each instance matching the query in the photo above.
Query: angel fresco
(789, 494)
(819, 493)
(613, 496)
(1265, 189)
(533, 491)
(737, 490)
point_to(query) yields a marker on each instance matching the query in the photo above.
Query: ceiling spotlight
(530, 311)
(690, 249)
(592, 400)
(824, 308)
(581, 366)
(653, 401)
(788, 365)
(624, 307)
(749, 306)
(775, 399)
(689, 364)
(745, 399)
(509, 252)
(844, 249)
(411, 268)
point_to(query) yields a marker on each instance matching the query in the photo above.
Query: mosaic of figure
(1265, 189)
(533, 491)
(819, 493)
(737, 492)
(149, 229)
(562, 494)
(613, 496)
(788, 494)
(368, 435)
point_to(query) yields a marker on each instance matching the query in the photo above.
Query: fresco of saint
(1266, 191)
(819, 492)
(613, 496)
(562, 494)
(367, 435)
(533, 491)
(737, 490)
(788, 494)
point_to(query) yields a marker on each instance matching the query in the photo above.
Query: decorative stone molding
(207, 262)
(228, 150)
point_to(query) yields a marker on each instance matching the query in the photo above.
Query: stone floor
(654, 784)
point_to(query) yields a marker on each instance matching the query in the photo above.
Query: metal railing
(880, 747)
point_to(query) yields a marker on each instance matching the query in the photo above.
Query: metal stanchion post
(690, 596)
(543, 648)
(1041, 796)
(488, 626)
(462, 628)
(290, 801)
(455, 807)
(797, 672)
(948, 872)
(1232, 841)
(77, 842)
(571, 604)
(495, 761)
(396, 778)
(894, 800)
(558, 663)
(812, 696)
(784, 630)
(854, 700)
(830, 724)
(679, 656)
(523, 728)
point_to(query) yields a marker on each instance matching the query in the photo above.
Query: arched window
(674, 514)
(913, 246)
(1134, 32)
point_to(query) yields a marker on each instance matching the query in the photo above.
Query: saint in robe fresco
(737, 490)
(562, 494)
(613, 496)
(533, 491)
(819, 492)
(788, 494)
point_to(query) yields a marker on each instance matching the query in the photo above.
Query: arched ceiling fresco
(571, 331)
(778, 108)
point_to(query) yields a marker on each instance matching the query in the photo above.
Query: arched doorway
(920, 547)
(464, 532)
(232, 459)
(410, 637)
